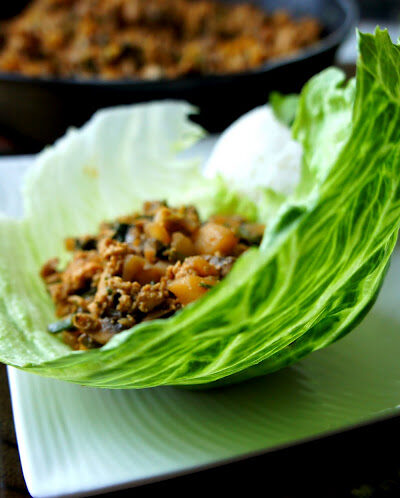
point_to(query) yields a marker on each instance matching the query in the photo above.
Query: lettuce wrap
(321, 263)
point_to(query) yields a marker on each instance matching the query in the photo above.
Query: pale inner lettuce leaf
(323, 124)
(319, 268)
(108, 168)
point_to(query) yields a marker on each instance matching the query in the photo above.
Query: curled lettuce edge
(319, 268)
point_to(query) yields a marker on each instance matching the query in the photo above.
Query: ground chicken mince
(144, 266)
(148, 39)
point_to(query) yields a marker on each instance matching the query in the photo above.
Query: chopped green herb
(247, 235)
(206, 286)
(140, 216)
(160, 249)
(87, 341)
(173, 255)
(91, 292)
(65, 324)
(90, 65)
(120, 231)
(85, 245)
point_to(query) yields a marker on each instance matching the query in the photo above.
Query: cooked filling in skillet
(141, 267)
(148, 39)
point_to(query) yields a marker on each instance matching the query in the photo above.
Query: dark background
(362, 463)
(369, 8)
(388, 9)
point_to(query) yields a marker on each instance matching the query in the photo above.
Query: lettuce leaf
(316, 274)
(284, 107)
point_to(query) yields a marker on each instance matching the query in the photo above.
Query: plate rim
(12, 373)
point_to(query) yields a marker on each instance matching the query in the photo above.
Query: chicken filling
(148, 39)
(141, 267)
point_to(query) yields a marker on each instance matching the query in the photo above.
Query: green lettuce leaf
(284, 106)
(316, 274)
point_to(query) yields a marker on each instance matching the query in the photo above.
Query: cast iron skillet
(38, 110)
